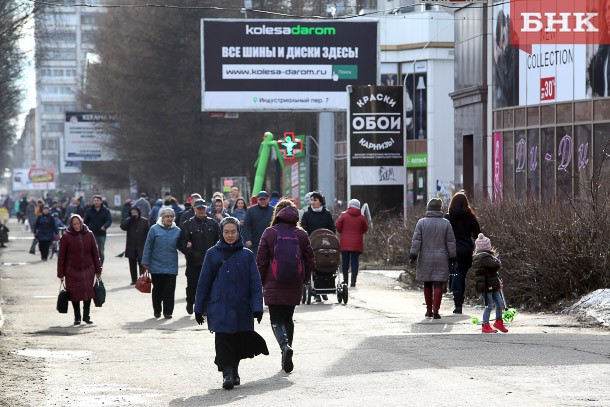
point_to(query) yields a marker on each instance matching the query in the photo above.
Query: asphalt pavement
(377, 349)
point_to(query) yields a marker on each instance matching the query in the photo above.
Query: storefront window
(533, 164)
(520, 164)
(508, 163)
(547, 114)
(582, 160)
(547, 163)
(564, 162)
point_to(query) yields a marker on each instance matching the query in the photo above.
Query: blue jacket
(236, 292)
(45, 228)
(161, 249)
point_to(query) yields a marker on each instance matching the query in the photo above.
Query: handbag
(144, 284)
(63, 299)
(455, 284)
(33, 246)
(99, 293)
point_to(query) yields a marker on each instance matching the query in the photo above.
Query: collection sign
(85, 136)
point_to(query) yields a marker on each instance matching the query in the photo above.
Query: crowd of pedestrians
(238, 256)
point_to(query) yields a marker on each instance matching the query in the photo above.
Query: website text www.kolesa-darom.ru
(244, 71)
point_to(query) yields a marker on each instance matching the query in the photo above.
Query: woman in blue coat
(160, 258)
(45, 231)
(230, 293)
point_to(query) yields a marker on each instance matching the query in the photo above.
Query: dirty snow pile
(593, 306)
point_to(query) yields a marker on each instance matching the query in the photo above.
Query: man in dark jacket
(137, 229)
(197, 235)
(258, 218)
(98, 220)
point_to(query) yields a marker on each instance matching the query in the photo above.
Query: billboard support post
(326, 156)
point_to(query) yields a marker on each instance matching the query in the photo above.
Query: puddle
(53, 354)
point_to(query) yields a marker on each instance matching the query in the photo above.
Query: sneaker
(189, 309)
(487, 329)
(499, 324)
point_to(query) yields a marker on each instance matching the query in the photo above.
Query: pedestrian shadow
(218, 396)
(67, 330)
(121, 288)
(160, 324)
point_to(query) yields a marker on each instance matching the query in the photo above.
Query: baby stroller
(325, 279)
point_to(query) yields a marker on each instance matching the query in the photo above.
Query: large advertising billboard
(33, 179)
(537, 60)
(280, 65)
(86, 136)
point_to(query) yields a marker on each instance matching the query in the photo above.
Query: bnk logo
(558, 22)
(296, 30)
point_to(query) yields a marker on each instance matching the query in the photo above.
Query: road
(377, 349)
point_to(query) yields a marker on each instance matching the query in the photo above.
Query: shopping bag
(455, 283)
(62, 299)
(99, 293)
(33, 246)
(144, 283)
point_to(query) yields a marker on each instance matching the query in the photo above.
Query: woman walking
(433, 247)
(78, 263)
(352, 226)
(45, 231)
(283, 296)
(465, 228)
(160, 258)
(137, 230)
(229, 291)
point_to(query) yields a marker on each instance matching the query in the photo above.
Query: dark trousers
(86, 309)
(460, 287)
(163, 289)
(226, 350)
(134, 264)
(282, 315)
(101, 243)
(43, 246)
(350, 259)
(192, 278)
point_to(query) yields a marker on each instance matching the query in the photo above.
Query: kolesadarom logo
(557, 22)
(295, 30)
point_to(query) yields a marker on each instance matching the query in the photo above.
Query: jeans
(101, 242)
(491, 298)
(350, 259)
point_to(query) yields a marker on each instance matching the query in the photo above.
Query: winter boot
(345, 277)
(282, 339)
(500, 325)
(354, 278)
(227, 377)
(87, 311)
(487, 329)
(428, 298)
(236, 378)
(436, 303)
(76, 306)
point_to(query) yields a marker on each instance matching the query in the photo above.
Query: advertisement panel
(376, 142)
(33, 179)
(86, 135)
(285, 64)
(537, 61)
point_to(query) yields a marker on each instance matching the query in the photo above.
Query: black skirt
(233, 347)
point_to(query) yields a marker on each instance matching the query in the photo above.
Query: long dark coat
(466, 229)
(277, 293)
(79, 262)
(137, 230)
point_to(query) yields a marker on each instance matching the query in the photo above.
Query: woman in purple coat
(78, 264)
(283, 297)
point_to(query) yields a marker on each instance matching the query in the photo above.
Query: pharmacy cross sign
(290, 145)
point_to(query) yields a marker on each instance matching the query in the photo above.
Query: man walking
(258, 218)
(98, 219)
(197, 235)
(144, 206)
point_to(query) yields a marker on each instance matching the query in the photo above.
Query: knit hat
(434, 204)
(482, 243)
(167, 212)
(354, 202)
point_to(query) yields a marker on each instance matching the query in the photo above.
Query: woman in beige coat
(433, 247)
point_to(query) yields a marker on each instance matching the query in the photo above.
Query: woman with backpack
(285, 262)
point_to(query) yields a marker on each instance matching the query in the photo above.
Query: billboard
(285, 64)
(376, 143)
(33, 179)
(86, 135)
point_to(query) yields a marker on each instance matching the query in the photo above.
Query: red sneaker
(487, 329)
(500, 325)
